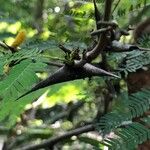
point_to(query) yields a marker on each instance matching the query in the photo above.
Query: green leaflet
(138, 103)
(10, 109)
(128, 138)
(21, 77)
(127, 134)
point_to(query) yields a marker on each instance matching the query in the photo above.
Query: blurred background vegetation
(67, 105)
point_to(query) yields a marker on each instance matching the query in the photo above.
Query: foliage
(126, 140)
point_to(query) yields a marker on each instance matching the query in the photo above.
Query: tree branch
(54, 64)
(64, 49)
(106, 23)
(120, 47)
(2, 44)
(144, 49)
(98, 16)
(103, 30)
(116, 6)
(54, 140)
(103, 38)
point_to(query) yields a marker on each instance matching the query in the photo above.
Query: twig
(144, 49)
(59, 116)
(98, 16)
(103, 38)
(145, 2)
(120, 47)
(103, 30)
(124, 32)
(54, 64)
(68, 113)
(106, 23)
(130, 28)
(54, 140)
(7, 47)
(2, 44)
(64, 48)
(52, 57)
(116, 6)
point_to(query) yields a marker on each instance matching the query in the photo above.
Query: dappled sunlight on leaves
(64, 93)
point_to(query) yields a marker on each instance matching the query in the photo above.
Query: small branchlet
(64, 49)
(98, 16)
(118, 33)
(54, 64)
(107, 23)
(117, 46)
(6, 47)
(103, 30)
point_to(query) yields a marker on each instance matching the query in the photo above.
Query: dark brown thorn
(66, 73)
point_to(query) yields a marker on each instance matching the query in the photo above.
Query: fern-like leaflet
(21, 77)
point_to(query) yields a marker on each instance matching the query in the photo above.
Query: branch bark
(54, 140)
(103, 38)
(100, 31)
(38, 16)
